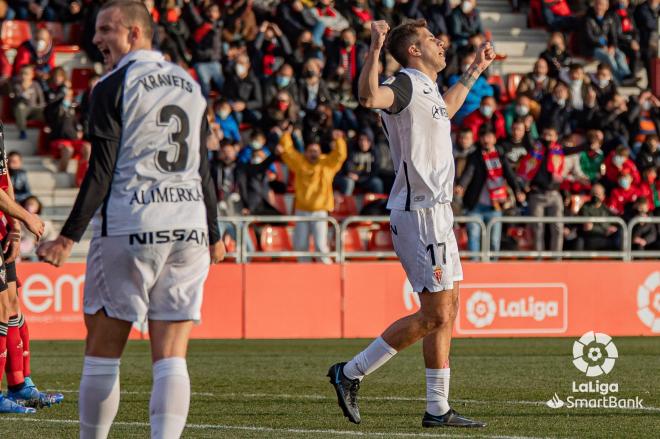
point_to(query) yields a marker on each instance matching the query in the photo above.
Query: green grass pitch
(278, 389)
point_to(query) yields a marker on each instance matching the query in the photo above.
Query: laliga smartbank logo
(595, 354)
(516, 308)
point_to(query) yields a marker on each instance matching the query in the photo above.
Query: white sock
(170, 398)
(370, 359)
(437, 391)
(99, 396)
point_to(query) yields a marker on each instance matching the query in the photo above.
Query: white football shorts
(148, 275)
(425, 243)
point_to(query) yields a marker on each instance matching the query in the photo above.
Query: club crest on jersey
(437, 273)
(439, 112)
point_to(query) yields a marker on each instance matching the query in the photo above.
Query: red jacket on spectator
(619, 197)
(613, 173)
(475, 119)
(5, 66)
(652, 193)
(26, 54)
(558, 7)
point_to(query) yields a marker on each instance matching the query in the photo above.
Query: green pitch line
(278, 389)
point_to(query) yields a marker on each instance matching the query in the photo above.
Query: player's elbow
(367, 101)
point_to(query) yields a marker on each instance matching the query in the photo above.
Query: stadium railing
(640, 254)
(347, 255)
(623, 254)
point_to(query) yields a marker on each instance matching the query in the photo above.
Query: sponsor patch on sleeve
(389, 80)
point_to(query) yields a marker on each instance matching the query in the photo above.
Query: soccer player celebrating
(416, 119)
(150, 192)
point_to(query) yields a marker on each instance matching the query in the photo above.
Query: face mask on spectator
(539, 78)
(282, 105)
(624, 182)
(602, 83)
(618, 160)
(224, 114)
(522, 110)
(66, 103)
(240, 69)
(576, 83)
(560, 102)
(282, 81)
(546, 142)
(388, 4)
(487, 110)
(41, 45)
(308, 74)
(467, 7)
(255, 144)
(646, 105)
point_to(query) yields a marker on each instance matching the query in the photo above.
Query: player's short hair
(134, 12)
(402, 37)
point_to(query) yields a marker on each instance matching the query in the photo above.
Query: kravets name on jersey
(156, 182)
(418, 129)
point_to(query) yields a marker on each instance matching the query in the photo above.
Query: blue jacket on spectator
(480, 89)
(19, 179)
(229, 127)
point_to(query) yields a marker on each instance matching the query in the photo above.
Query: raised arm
(456, 95)
(371, 94)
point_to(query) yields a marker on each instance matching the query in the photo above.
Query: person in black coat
(483, 186)
(243, 90)
(465, 22)
(646, 19)
(556, 110)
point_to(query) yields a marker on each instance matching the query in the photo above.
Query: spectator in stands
(206, 31)
(597, 236)
(313, 89)
(33, 10)
(465, 21)
(542, 172)
(226, 120)
(5, 74)
(254, 184)
(56, 86)
(462, 148)
(556, 55)
(360, 16)
(282, 80)
(604, 85)
(646, 19)
(649, 154)
(486, 114)
(623, 194)
(645, 234)
(437, 14)
(537, 84)
(627, 35)
(28, 240)
(315, 173)
(644, 116)
(294, 17)
(345, 58)
(27, 100)
(331, 18)
(483, 187)
(558, 16)
(360, 170)
(578, 85)
(240, 22)
(272, 48)
(37, 52)
(243, 91)
(19, 177)
(650, 188)
(556, 110)
(517, 145)
(257, 143)
(227, 173)
(619, 162)
(616, 121)
(520, 109)
(281, 108)
(600, 40)
(592, 157)
(480, 88)
(305, 50)
(66, 135)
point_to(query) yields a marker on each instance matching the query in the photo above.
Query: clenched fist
(485, 55)
(379, 31)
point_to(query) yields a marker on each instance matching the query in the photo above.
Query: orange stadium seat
(345, 206)
(279, 203)
(512, 81)
(381, 240)
(14, 33)
(275, 239)
(352, 240)
(461, 237)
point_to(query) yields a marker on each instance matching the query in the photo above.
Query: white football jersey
(156, 183)
(418, 130)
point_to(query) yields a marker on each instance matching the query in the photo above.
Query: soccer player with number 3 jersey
(155, 232)
(416, 119)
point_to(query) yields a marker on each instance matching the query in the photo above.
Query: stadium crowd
(281, 79)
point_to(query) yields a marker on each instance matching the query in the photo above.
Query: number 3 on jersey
(177, 138)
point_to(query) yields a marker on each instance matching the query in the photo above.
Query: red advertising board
(289, 300)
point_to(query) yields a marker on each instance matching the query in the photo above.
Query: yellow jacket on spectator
(313, 181)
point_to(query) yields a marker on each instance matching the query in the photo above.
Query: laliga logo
(594, 354)
(648, 302)
(481, 309)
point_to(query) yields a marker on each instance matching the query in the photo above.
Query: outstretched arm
(456, 95)
(371, 94)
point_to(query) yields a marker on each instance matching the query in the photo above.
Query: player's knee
(436, 321)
